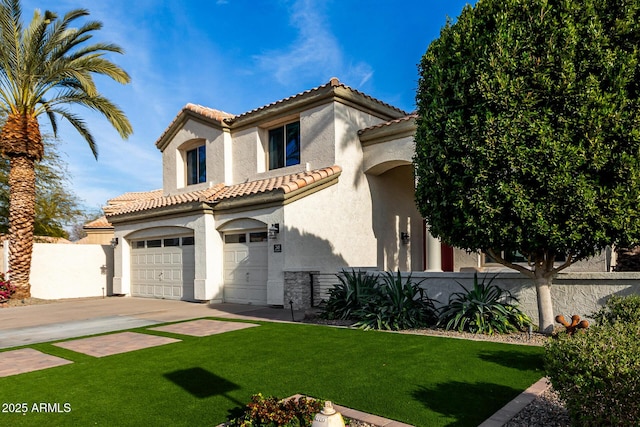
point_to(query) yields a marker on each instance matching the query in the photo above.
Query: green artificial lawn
(420, 380)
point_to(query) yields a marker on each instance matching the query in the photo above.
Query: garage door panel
(163, 272)
(245, 272)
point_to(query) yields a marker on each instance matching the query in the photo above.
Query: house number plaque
(277, 248)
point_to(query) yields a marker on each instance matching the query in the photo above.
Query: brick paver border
(203, 327)
(123, 342)
(14, 362)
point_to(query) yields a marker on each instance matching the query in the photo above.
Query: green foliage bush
(484, 309)
(397, 304)
(596, 372)
(619, 309)
(273, 412)
(350, 295)
(393, 303)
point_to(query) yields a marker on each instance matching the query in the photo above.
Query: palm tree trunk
(22, 202)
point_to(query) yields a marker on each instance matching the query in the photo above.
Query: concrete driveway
(86, 316)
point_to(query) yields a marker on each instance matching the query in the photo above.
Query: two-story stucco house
(318, 181)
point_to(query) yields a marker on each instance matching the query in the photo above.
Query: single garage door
(163, 267)
(245, 267)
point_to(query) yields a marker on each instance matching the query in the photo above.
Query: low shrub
(6, 288)
(273, 412)
(619, 309)
(397, 304)
(350, 295)
(484, 309)
(596, 372)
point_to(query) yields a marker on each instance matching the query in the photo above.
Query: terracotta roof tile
(334, 82)
(101, 222)
(155, 199)
(219, 192)
(210, 113)
(389, 123)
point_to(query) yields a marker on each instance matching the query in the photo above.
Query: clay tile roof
(155, 199)
(127, 203)
(389, 123)
(98, 223)
(285, 183)
(334, 82)
(210, 113)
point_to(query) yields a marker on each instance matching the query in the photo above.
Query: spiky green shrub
(273, 412)
(485, 309)
(397, 304)
(619, 309)
(345, 298)
(596, 373)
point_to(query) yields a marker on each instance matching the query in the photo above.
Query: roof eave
(388, 132)
(155, 213)
(323, 95)
(277, 196)
(183, 117)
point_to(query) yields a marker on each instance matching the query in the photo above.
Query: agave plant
(484, 309)
(345, 298)
(397, 304)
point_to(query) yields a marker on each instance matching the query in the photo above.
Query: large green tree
(528, 133)
(57, 206)
(46, 67)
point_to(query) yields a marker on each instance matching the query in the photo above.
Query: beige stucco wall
(572, 293)
(394, 212)
(173, 162)
(356, 222)
(71, 271)
(317, 136)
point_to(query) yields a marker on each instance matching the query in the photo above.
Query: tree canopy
(57, 206)
(528, 131)
(46, 67)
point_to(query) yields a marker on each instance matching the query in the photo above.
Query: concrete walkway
(80, 317)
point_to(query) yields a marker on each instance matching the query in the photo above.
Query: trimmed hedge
(597, 371)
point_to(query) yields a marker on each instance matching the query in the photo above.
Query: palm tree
(45, 68)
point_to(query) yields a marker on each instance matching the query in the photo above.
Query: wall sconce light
(114, 242)
(274, 230)
(404, 237)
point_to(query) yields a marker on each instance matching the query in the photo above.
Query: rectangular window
(138, 244)
(284, 146)
(154, 243)
(196, 165)
(235, 238)
(258, 237)
(187, 241)
(172, 242)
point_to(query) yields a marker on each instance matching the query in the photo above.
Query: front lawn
(420, 380)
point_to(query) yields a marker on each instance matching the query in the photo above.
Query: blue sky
(235, 55)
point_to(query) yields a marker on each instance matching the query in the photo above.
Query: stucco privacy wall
(69, 271)
(572, 293)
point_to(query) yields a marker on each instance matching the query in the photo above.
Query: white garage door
(163, 268)
(245, 267)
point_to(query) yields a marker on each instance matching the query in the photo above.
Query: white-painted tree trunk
(545, 304)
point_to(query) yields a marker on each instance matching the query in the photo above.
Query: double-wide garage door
(163, 268)
(245, 267)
